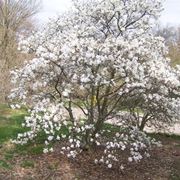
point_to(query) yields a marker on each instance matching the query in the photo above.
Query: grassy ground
(10, 122)
(10, 126)
(28, 162)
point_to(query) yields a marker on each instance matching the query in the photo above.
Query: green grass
(28, 149)
(4, 165)
(10, 122)
(4, 106)
(27, 164)
(112, 128)
(10, 126)
(164, 135)
(8, 156)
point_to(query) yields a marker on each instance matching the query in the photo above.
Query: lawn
(10, 126)
(10, 122)
(28, 162)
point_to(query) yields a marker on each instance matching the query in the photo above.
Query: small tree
(98, 58)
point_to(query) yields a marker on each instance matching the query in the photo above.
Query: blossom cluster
(136, 142)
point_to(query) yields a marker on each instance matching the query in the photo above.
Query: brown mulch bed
(164, 164)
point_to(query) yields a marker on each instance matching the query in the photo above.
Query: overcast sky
(171, 14)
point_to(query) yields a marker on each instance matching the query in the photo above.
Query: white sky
(170, 15)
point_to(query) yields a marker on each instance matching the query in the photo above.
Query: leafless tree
(171, 34)
(15, 15)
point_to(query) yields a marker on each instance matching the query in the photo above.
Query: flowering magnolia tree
(97, 60)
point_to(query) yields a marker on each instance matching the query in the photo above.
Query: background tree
(15, 17)
(171, 34)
